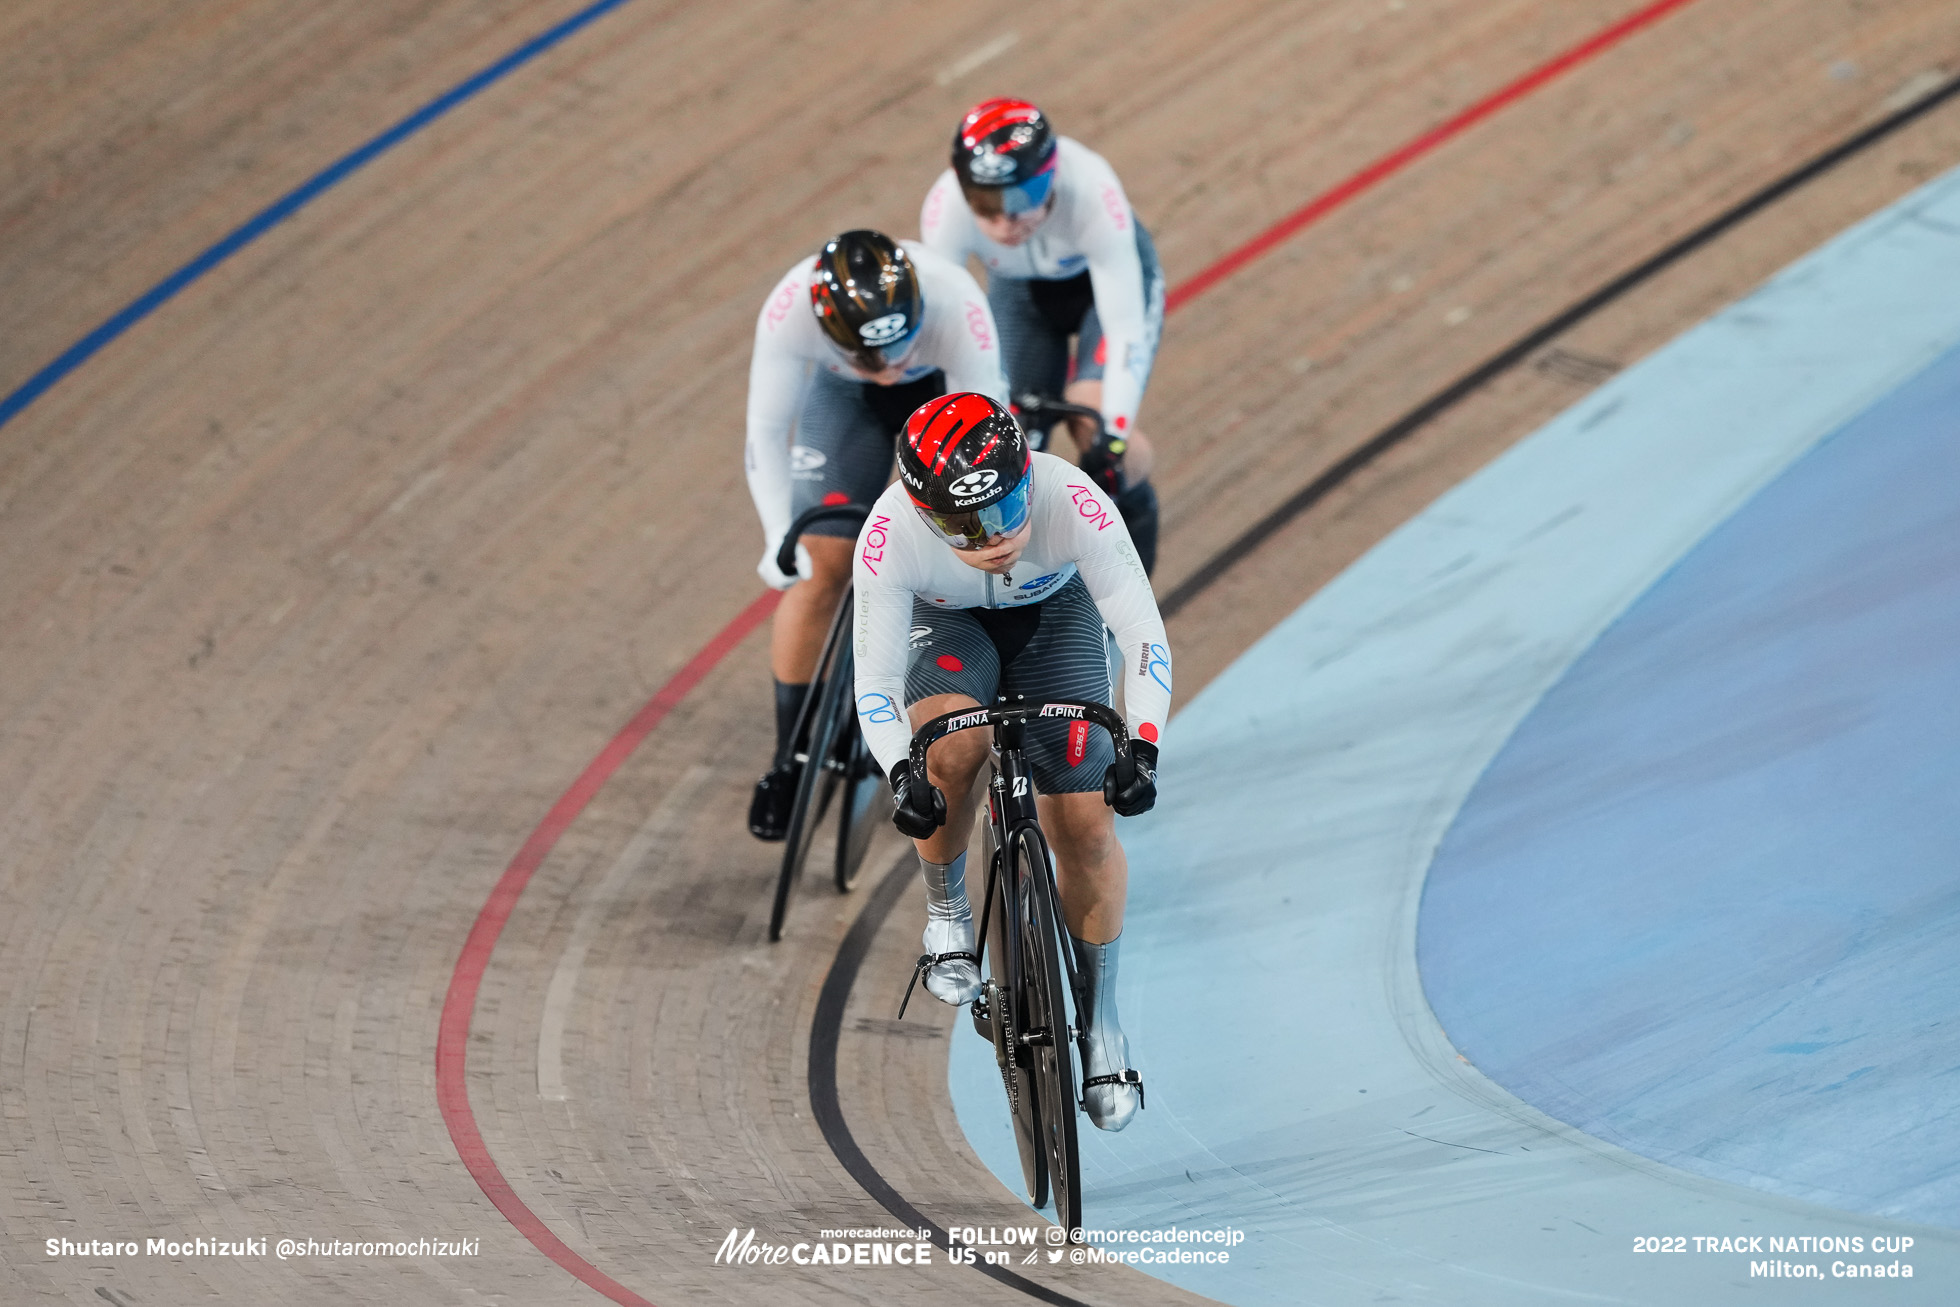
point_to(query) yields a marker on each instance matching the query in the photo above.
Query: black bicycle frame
(1011, 796)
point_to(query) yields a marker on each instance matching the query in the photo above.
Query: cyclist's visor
(974, 528)
(1013, 201)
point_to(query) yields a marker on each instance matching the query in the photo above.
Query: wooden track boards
(319, 587)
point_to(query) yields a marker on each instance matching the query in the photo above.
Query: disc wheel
(1046, 1033)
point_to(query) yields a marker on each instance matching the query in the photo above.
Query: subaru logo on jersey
(991, 167)
(883, 331)
(974, 484)
(1040, 581)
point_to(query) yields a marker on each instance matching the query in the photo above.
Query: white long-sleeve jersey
(1092, 227)
(958, 335)
(1073, 528)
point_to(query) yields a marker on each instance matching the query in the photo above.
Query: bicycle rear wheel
(818, 780)
(1047, 1033)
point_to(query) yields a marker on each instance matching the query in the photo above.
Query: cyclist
(890, 325)
(1064, 254)
(989, 569)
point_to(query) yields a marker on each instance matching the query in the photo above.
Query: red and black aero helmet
(865, 293)
(965, 464)
(1004, 154)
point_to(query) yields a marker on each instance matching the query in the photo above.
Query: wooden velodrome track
(320, 585)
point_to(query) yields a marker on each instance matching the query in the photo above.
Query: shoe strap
(1126, 1076)
(927, 961)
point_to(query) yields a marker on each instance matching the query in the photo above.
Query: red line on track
(459, 1004)
(1396, 160)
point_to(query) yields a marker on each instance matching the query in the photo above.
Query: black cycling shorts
(1055, 649)
(845, 439)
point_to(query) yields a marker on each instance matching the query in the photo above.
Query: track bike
(1023, 1006)
(836, 765)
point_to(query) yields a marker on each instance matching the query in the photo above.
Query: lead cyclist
(1065, 257)
(989, 569)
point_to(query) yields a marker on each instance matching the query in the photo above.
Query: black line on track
(1515, 353)
(825, 1030)
(827, 1026)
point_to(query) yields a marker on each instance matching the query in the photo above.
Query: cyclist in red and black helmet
(846, 346)
(1072, 278)
(992, 569)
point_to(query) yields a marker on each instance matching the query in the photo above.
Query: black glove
(1140, 795)
(1102, 463)
(918, 808)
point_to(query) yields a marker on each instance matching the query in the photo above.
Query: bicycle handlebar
(809, 517)
(1087, 710)
(1040, 408)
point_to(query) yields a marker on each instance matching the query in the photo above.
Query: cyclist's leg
(1033, 346)
(840, 454)
(953, 666)
(1068, 659)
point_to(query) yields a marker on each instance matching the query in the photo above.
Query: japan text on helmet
(966, 466)
(865, 294)
(1004, 155)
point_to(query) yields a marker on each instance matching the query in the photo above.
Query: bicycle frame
(1010, 792)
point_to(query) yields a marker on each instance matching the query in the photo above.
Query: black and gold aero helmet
(966, 466)
(865, 293)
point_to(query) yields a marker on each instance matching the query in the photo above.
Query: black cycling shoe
(769, 809)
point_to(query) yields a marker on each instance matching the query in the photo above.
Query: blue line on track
(287, 205)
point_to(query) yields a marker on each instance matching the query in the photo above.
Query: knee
(830, 562)
(955, 760)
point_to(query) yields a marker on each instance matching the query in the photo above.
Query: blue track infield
(1301, 1088)
(1706, 902)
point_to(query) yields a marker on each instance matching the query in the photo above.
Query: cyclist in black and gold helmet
(888, 326)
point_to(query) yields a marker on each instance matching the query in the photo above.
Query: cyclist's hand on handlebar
(918, 808)
(1140, 795)
(774, 577)
(1103, 463)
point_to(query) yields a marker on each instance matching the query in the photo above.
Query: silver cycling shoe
(950, 966)
(1111, 1091)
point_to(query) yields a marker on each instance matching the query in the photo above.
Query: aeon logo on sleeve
(976, 323)
(974, 483)
(883, 331)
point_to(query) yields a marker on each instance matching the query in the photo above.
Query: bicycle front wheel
(1047, 1034)
(864, 801)
(818, 781)
(1006, 999)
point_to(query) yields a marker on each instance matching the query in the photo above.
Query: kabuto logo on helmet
(974, 484)
(883, 331)
(991, 167)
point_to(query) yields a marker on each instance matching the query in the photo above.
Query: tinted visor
(1029, 195)
(1013, 201)
(974, 528)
